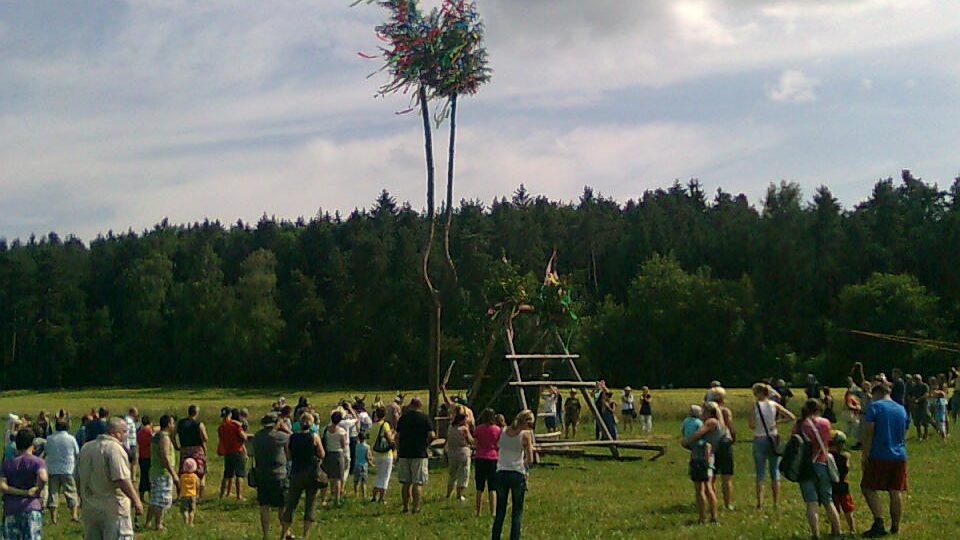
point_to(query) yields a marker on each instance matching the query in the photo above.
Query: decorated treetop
(440, 51)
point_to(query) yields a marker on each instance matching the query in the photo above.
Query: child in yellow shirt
(189, 489)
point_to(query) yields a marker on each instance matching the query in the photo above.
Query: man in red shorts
(882, 433)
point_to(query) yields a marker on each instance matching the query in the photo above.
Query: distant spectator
(62, 451)
(414, 433)
(516, 456)
(231, 441)
(270, 458)
(884, 459)
(144, 440)
(382, 451)
(98, 425)
(485, 459)
(191, 440)
(813, 390)
(21, 481)
(163, 472)
(763, 421)
(106, 487)
(571, 415)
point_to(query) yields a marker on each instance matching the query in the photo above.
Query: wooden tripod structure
(577, 383)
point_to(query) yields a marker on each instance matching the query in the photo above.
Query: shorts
(188, 504)
(360, 474)
(764, 458)
(817, 489)
(843, 502)
(459, 470)
(384, 468)
(132, 454)
(413, 471)
(884, 475)
(629, 413)
(485, 474)
(272, 491)
(941, 426)
(700, 470)
(235, 465)
(106, 525)
(161, 491)
(333, 465)
(723, 460)
(66, 484)
(23, 526)
(571, 419)
(550, 422)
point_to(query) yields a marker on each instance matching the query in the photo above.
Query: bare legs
(491, 497)
(896, 507)
(706, 499)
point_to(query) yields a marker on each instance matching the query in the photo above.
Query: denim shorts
(817, 489)
(764, 458)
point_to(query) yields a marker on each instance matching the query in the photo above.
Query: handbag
(774, 440)
(381, 445)
(319, 475)
(831, 462)
(252, 477)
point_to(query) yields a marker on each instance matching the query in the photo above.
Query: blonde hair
(719, 394)
(523, 417)
(306, 420)
(712, 410)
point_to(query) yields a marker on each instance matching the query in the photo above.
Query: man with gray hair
(106, 487)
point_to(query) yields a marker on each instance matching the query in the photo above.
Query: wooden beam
(541, 356)
(571, 384)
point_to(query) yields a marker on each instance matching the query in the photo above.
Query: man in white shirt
(549, 407)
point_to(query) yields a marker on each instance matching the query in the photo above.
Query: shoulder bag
(774, 440)
(831, 462)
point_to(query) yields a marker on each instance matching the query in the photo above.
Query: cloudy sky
(114, 115)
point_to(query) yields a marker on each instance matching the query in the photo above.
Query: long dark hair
(810, 408)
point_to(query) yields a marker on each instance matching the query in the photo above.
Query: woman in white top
(763, 422)
(516, 454)
(335, 444)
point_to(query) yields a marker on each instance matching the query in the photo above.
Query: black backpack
(795, 465)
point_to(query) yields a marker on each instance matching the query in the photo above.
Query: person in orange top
(231, 448)
(189, 489)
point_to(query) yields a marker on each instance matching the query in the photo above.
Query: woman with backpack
(816, 481)
(766, 440)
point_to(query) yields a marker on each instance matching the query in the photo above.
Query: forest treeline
(678, 287)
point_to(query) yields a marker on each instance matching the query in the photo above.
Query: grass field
(576, 499)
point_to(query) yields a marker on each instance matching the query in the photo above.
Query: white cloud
(794, 87)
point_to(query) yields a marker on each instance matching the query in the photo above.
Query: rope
(946, 346)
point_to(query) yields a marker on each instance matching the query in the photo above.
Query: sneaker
(876, 531)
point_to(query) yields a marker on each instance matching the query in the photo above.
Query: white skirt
(384, 468)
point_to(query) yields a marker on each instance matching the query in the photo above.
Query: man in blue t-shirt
(883, 430)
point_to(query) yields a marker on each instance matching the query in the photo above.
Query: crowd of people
(877, 413)
(112, 467)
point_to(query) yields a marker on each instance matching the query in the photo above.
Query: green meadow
(567, 498)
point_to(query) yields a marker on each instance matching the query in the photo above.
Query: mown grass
(572, 499)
